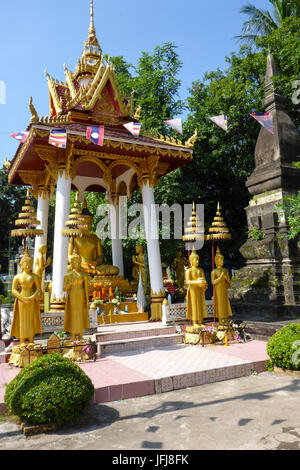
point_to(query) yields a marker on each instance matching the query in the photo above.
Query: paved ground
(131, 374)
(258, 412)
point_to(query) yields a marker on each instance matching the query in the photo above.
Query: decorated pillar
(42, 215)
(154, 260)
(116, 240)
(60, 246)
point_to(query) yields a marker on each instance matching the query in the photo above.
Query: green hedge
(51, 390)
(283, 349)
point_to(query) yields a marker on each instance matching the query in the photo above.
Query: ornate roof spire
(92, 31)
(91, 56)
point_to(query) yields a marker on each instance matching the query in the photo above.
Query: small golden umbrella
(27, 222)
(76, 224)
(194, 230)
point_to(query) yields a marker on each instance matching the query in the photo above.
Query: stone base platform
(151, 369)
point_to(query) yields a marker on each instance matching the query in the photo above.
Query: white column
(42, 215)
(116, 240)
(60, 247)
(154, 260)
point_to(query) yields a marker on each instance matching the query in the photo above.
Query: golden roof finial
(34, 114)
(92, 30)
(7, 163)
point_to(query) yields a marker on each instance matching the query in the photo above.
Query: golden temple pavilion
(90, 96)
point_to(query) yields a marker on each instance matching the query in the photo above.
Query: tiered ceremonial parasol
(218, 231)
(27, 222)
(194, 231)
(76, 224)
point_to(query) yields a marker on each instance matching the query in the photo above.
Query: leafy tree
(221, 161)
(263, 22)
(155, 83)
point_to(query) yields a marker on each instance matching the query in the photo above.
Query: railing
(54, 321)
(177, 312)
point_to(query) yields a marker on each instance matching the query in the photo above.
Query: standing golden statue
(179, 264)
(197, 285)
(41, 265)
(26, 316)
(221, 281)
(139, 266)
(77, 303)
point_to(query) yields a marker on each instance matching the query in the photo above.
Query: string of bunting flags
(265, 119)
(58, 137)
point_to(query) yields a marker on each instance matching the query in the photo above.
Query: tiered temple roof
(91, 96)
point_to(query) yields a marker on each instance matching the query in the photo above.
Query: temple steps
(133, 339)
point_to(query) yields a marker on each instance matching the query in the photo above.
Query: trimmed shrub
(51, 390)
(283, 348)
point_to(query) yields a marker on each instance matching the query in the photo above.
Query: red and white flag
(175, 124)
(265, 119)
(221, 121)
(134, 128)
(20, 136)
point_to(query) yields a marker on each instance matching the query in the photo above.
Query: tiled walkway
(139, 373)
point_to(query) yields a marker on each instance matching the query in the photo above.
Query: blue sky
(36, 35)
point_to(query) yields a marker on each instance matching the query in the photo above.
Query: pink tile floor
(138, 373)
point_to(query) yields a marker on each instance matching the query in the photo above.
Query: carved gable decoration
(106, 109)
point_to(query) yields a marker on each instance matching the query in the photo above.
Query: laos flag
(20, 136)
(95, 134)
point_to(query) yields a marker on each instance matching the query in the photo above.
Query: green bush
(51, 390)
(283, 348)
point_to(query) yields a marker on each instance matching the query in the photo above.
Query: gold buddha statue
(77, 302)
(179, 264)
(41, 265)
(90, 250)
(221, 281)
(139, 267)
(26, 315)
(197, 285)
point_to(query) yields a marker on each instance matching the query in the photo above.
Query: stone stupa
(269, 286)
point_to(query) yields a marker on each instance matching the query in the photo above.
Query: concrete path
(257, 412)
